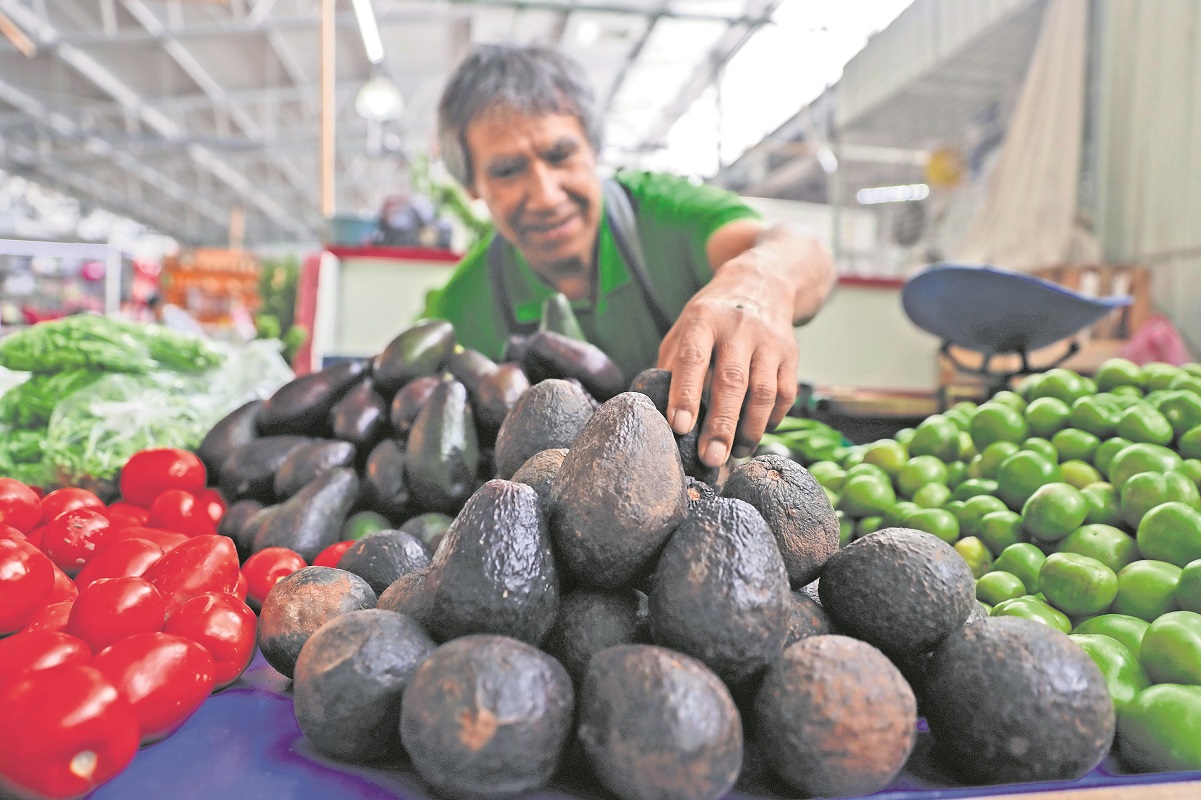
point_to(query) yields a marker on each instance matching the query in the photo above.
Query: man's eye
(558, 156)
(505, 170)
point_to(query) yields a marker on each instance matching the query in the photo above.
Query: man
(659, 271)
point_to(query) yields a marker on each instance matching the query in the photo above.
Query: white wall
(1148, 123)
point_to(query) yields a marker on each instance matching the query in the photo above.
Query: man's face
(537, 175)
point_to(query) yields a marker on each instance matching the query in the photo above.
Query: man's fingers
(727, 388)
(757, 407)
(785, 394)
(687, 354)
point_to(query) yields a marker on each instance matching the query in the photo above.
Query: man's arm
(766, 280)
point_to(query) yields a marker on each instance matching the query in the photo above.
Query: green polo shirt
(675, 218)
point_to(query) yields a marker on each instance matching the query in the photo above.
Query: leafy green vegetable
(89, 341)
(30, 404)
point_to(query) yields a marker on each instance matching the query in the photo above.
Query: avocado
(540, 469)
(235, 429)
(619, 494)
(698, 490)
(514, 349)
(235, 524)
(308, 461)
(806, 618)
(1011, 700)
(382, 557)
(552, 355)
(494, 571)
(419, 351)
(487, 717)
(406, 596)
(302, 405)
(834, 717)
(442, 453)
(658, 725)
(795, 506)
(558, 317)
(349, 680)
(720, 591)
(549, 415)
(385, 490)
(310, 520)
(249, 470)
(428, 528)
(409, 401)
(361, 417)
(302, 602)
(495, 396)
(469, 367)
(899, 589)
(656, 384)
(591, 620)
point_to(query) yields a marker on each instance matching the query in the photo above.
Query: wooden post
(327, 108)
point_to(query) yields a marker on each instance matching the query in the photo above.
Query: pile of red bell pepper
(117, 621)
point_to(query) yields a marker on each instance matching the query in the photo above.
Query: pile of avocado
(598, 610)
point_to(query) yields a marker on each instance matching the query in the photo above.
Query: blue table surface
(244, 744)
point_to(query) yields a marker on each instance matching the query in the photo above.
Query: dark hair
(534, 79)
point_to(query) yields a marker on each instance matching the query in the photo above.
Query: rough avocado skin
(311, 520)
(658, 725)
(720, 592)
(442, 453)
(1010, 700)
(384, 556)
(619, 494)
(656, 384)
(548, 415)
(835, 717)
(406, 596)
(899, 589)
(806, 618)
(592, 620)
(300, 604)
(487, 717)
(540, 469)
(795, 506)
(494, 571)
(349, 680)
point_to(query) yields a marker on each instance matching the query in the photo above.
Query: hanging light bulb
(379, 99)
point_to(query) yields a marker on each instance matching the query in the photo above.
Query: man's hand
(736, 333)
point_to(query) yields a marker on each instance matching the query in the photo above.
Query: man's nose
(546, 189)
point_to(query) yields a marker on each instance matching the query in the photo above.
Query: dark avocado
(469, 367)
(1010, 700)
(514, 349)
(795, 506)
(834, 717)
(349, 680)
(899, 589)
(419, 351)
(428, 529)
(619, 494)
(236, 524)
(557, 316)
(311, 520)
(549, 415)
(495, 397)
(592, 620)
(442, 453)
(249, 470)
(301, 603)
(494, 571)
(235, 429)
(302, 405)
(806, 618)
(406, 596)
(361, 417)
(381, 558)
(720, 591)
(385, 490)
(487, 717)
(698, 490)
(655, 384)
(658, 725)
(307, 462)
(553, 355)
(409, 401)
(540, 469)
